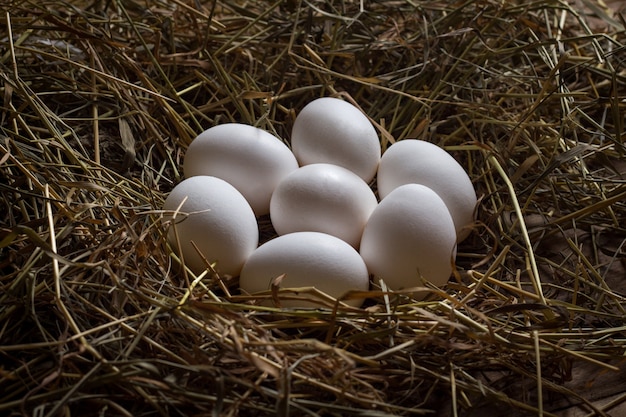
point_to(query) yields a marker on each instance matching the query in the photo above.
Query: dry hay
(99, 102)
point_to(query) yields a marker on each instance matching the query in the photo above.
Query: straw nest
(100, 101)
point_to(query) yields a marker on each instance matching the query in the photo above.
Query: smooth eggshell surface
(308, 259)
(420, 162)
(323, 198)
(410, 234)
(330, 130)
(252, 160)
(217, 218)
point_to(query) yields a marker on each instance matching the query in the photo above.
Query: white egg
(251, 159)
(420, 162)
(330, 130)
(323, 198)
(217, 219)
(410, 236)
(307, 259)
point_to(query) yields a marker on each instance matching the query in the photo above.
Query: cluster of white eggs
(332, 231)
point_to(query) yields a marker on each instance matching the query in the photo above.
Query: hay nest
(100, 101)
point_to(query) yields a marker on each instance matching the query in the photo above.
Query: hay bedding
(100, 100)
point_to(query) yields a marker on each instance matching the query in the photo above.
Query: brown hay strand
(100, 101)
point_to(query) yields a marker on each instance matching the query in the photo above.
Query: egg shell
(251, 159)
(308, 259)
(410, 233)
(420, 162)
(323, 198)
(217, 218)
(330, 130)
